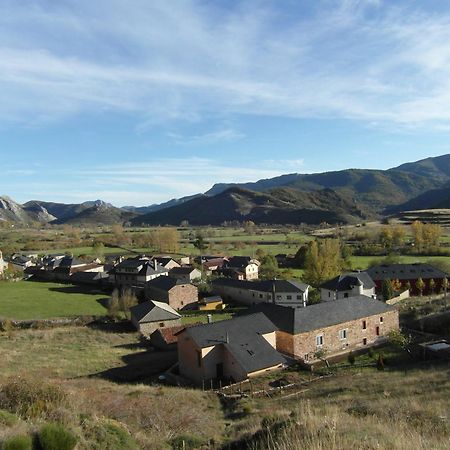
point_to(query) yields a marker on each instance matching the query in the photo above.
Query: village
(266, 325)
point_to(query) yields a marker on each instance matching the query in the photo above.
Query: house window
(319, 340)
(260, 296)
(343, 334)
(329, 294)
(345, 294)
(161, 324)
(299, 297)
(381, 319)
(364, 324)
(289, 297)
(199, 358)
(182, 303)
(365, 341)
(377, 331)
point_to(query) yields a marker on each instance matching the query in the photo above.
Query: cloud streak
(194, 60)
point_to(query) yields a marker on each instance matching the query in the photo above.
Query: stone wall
(149, 327)
(360, 333)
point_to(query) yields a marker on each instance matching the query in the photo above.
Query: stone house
(347, 285)
(176, 293)
(186, 273)
(408, 273)
(135, 272)
(166, 261)
(331, 328)
(151, 315)
(229, 350)
(280, 292)
(241, 268)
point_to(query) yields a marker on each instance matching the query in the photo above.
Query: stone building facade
(176, 293)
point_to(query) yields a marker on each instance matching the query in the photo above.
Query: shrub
(380, 362)
(56, 437)
(186, 442)
(30, 399)
(351, 358)
(7, 419)
(108, 434)
(19, 442)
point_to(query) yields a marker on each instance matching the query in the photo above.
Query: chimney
(209, 318)
(227, 339)
(273, 291)
(155, 261)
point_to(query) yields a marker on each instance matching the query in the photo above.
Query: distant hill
(333, 197)
(98, 214)
(276, 206)
(158, 206)
(373, 189)
(15, 213)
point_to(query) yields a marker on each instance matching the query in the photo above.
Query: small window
(345, 294)
(289, 297)
(329, 294)
(365, 341)
(161, 324)
(319, 340)
(364, 325)
(260, 296)
(182, 303)
(279, 297)
(381, 319)
(343, 334)
(299, 297)
(377, 331)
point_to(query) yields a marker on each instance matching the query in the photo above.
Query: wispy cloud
(225, 135)
(375, 61)
(141, 183)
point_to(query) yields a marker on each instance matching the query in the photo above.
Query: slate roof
(347, 281)
(211, 299)
(405, 272)
(69, 261)
(165, 283)
(262, 285)
(239, 261)
(242, 336)
(186, 270)
(148, 267)
(153, 311)
(321, 315)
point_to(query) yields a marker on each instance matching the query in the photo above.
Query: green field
(363, 262)
(35, 300)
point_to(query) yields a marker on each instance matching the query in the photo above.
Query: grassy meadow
(26, 300)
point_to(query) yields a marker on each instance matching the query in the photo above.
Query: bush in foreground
(56, 437)
(19, 442)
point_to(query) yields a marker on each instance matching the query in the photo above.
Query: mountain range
(343, 196)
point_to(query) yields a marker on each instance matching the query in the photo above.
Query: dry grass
(363, 409)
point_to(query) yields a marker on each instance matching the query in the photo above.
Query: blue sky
(137, 102)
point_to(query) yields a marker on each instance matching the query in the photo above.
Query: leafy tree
(396, 285)
(269, 267)
(98, 250)
(300, 256)
(400, 340)
(420, 285)
(444, 285)
(432, 285)
(386, 290)
(323, 261)
(199, 242)
(113, 305)
(126, 301)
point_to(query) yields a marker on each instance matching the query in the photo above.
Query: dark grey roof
(347, 281)
(185, 270)
(242, 336)
(238, 261)
(88, 277)
(69, 261)
(153, 311)
(263, 286)
(405, 272)
(164, 283)
(211, 299)
(321, 315)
